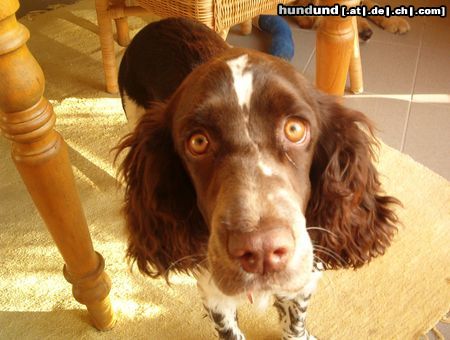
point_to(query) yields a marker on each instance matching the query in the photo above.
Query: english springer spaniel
(242, 174)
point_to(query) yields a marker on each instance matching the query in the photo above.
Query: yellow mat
(398, 296)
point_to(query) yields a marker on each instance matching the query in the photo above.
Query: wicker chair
(220, 15)
(337, 47)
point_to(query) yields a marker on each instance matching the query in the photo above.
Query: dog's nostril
(248, 256)
(280, 252)
(251, 262)
(276, 260)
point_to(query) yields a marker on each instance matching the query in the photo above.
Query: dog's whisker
(322, 229)
(290, 160)
(188, 257)
(205, 260)
(330, 253)
(328, 279)
(331, 284)
(318, 259)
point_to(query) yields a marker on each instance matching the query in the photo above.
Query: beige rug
(398, 296)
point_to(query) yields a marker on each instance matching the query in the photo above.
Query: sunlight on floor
(130, 308)
(183, 280)
(94, 106)
(96, 160)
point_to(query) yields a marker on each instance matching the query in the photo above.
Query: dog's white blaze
(242, 80)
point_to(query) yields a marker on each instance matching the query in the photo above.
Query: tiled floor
(27, 6)
(406, 82)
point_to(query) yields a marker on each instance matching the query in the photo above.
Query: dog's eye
(198, 144)
(296, 130)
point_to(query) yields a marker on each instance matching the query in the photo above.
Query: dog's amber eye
(198, 144)
(296, 130)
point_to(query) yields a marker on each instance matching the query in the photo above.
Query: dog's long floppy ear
(166, 230)
(346, 197)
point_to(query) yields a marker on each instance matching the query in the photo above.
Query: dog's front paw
(396, 25)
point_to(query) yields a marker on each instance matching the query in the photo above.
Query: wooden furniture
(220, 15)
(337, 45)
(40, 155)
(337, 52)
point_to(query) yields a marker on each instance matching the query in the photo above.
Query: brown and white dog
(241, 173)
(392, 24)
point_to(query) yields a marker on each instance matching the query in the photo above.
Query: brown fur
(346, 195)
(164, 224)
(174, 42)
(179, 209)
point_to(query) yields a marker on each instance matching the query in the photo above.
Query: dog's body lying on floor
(392, 24)
(243, 175)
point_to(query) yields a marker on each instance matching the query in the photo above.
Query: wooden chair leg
(334, 47)
(123, 35)
(355, 70)
(107, 45)
(40, 155)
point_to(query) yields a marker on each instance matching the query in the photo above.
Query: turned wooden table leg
(40, 155)
(334, 46)
(107, 45)
(355, 67)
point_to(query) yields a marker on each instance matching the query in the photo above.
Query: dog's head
(251, 172)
